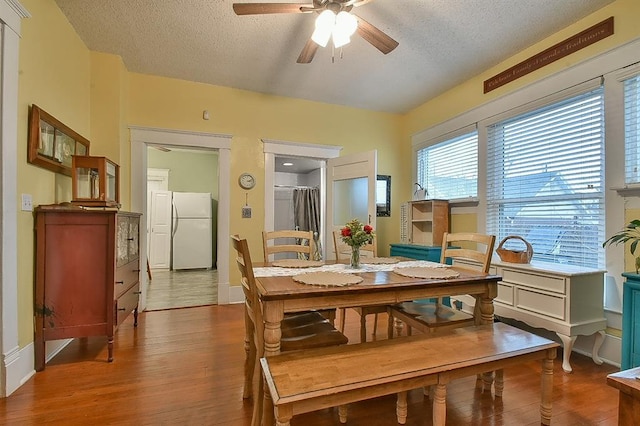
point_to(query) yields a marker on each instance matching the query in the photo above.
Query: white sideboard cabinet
(565, 299)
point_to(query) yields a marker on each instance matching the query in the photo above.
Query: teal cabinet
(418, 252)
(631, 321)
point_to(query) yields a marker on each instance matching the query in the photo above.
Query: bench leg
(342, 413)
(283, 415)
(547, 388)
(440, 405)
(401, 407)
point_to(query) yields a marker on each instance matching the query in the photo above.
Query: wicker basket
(515, 256)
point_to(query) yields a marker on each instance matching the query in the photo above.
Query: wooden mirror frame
(383, 195)
(51, 144)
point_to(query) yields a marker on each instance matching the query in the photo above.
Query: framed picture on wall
(51, 144)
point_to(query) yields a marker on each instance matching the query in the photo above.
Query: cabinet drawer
(542, 303)
(126, 303)
(125, 276)
(505, 294)
(548, 283)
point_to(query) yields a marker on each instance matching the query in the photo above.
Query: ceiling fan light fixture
(346, 25)
(325, 23)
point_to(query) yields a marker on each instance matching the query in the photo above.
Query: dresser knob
(119, 282)
(122, 309)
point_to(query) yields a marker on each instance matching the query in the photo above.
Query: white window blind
(449, 170)
(545, 180)
(632, 129)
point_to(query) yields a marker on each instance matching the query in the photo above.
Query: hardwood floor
(185, 366)
(182, 289)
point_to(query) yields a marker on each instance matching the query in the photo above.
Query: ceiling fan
(340, 12)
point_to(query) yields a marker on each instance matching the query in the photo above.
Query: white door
(351, 191)
(160, 229)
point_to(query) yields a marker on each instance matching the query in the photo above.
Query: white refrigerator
(191, 246)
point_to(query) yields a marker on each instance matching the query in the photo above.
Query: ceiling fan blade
(266, 8)
(308, 52)
(357, 3)
(375, 36)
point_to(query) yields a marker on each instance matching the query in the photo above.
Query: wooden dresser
(86, 274)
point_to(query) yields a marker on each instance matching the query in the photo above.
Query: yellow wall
(55, 75)
(250, 117)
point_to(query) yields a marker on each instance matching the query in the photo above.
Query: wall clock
(247, 181)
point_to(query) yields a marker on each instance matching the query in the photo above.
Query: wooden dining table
(281, 294)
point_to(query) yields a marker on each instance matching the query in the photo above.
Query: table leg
(273, 315)
(567, 347)
(485, 302)
(598, 341)
(547, 387)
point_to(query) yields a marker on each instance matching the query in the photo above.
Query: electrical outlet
(246, 212)
(27, 203)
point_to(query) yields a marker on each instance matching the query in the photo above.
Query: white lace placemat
(328, 279)
(344, 269)
(428, 273)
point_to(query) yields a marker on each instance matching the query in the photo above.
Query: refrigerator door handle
(174, 228)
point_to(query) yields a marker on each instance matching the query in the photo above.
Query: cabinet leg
(599, 340)
(567, 347)
(110, 348)
(135, 317)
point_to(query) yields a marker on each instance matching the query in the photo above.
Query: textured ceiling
(442, 43)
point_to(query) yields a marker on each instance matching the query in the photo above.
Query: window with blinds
(632, 129)
(545, 180)
(449, 170)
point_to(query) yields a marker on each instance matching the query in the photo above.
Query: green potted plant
(630, 233)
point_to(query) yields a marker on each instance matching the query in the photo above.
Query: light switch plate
(246, 212)
(27, 203)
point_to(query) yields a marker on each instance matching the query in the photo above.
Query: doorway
(141, 139)
(311, 158)
(183, 272)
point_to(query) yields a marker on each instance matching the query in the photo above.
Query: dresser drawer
(545, 304)
(542, 282)
(126, 303)
(126, 275)
(505, 294)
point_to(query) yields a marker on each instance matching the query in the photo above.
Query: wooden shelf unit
(427, 222)
(86, 274)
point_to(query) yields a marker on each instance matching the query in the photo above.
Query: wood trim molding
(558, 51)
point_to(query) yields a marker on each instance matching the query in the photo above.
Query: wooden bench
(305, 381)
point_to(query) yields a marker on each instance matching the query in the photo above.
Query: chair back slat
(481, 251)
(273, 243)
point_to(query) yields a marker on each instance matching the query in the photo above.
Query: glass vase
(355, 257)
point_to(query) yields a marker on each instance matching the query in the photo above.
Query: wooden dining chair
(300, 243)
(343, 252)
(435, 315)
(304, 330)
